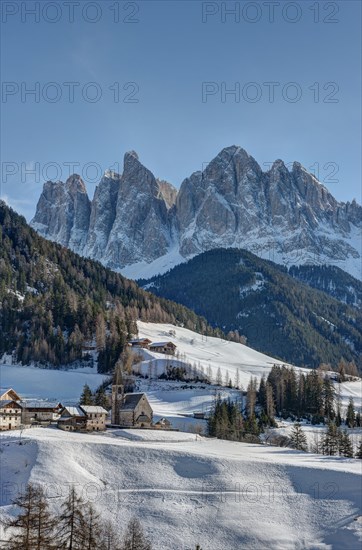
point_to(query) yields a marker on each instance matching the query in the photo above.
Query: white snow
(188, 490)
(207, 351)
(57, 385)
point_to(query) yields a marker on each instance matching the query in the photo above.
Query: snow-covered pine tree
(135, 538)
(298, 439)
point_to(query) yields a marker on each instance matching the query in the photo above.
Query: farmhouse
(72, 419)
(140, 343)
(83, 418)
(163, 347)
(37, 412)
(167, 347)
(95, 417)
(130, 410)
(10, 414)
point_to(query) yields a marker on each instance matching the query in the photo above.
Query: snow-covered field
(187, 490)
(36, 383)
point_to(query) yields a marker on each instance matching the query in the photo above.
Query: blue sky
(164, 53)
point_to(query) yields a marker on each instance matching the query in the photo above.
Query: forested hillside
(54, 302)
(279, 315)
(332, 280)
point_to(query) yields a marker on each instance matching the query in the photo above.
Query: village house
(83, 418)
(130, 410)
(168, 348)
(39, 412)
(10, 414)
(72, 419)
(95, 417)
(140, 343)
(10, 409)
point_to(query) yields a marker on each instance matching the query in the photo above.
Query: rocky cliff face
(63, 212)
(286, 216)
(141, 231)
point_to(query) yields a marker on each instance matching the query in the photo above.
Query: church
(130, 410)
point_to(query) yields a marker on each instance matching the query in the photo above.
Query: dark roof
(45, 405)
(6, 402)
(131, 401)
(157, 344)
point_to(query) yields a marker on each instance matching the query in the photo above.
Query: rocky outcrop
(283, 215)
(63, 213)
(141, 230)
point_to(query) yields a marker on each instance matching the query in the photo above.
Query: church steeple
(117, 399)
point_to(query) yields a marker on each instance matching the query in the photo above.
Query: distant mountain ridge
(280, 315)
(142, 226)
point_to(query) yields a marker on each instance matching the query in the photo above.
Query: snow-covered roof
(41, 404)
(159, 344)
(73, 411)
(93, 409)
(138, 340)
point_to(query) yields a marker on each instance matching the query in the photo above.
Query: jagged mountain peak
(75, 184)
(284, 215)
(131, 154)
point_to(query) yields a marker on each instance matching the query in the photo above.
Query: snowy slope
(207, 351)
(223, 495)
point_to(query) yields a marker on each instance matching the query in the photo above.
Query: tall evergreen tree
(87, 397)
(331, 440)
(350, 416)
(328, 399)
(298, 439)
(345, 445)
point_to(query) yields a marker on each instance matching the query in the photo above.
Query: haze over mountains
(142, 226)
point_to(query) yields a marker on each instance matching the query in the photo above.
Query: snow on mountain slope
(134, 219)
(222, 495)
(207, 351)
